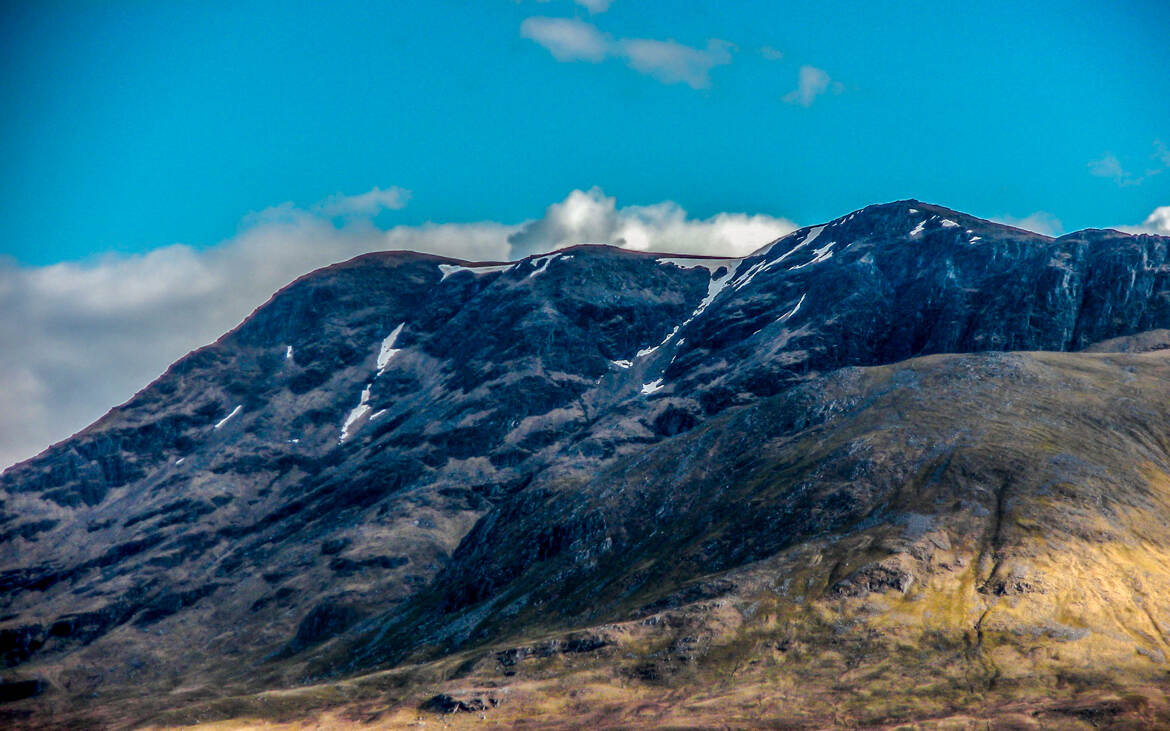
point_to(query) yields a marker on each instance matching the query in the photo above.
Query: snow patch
(541, 263)
(918, 229)
(179, 461)
(288, 353)
(948, 223)
(794, 310)
(763, 266)
(388, 351)
(755, 269)
(647, 351)
(812, 235)
(822, 254)
(356, 413)
(225, 419)
(714, 287)
(622, 363)
(914, 210)
(652, 386)
(973, 239)
(718, 283)
(449, 269)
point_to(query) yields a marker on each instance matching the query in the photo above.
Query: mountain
(909, 466)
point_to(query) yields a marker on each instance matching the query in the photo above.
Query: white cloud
(79, 337)
(1157, 222)
(1040, 222)
(567, 39)
(370, 203)
(811, 82)
(770, 53)
(571, 39)
(593, 217)
(671, 62)
(1110, 167)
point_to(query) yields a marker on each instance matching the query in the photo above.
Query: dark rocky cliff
(402, 456)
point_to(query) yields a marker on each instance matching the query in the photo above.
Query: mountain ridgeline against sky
(907, 464)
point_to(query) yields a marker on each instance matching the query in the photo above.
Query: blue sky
(134, 125)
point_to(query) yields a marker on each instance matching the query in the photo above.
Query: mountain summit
(905, 466)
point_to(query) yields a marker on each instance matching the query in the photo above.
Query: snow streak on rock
(356, 413)
(388, 351)
(225, 419)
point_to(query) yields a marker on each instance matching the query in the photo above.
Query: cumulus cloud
(671, 62)
(593, 217)
(1157, 222)
(80, 337)
(770, 53)
(811, 82)
(567, 39)
(1040, 222)
(571, 39)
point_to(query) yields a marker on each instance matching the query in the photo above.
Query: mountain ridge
(357, 260)
(403, 458)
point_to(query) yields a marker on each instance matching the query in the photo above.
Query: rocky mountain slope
(909, 465)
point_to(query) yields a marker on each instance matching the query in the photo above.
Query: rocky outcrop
(468, 701)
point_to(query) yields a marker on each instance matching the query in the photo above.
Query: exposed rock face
(465, 702)
(402, 457)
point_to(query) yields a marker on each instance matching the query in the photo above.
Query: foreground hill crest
(850, 443)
